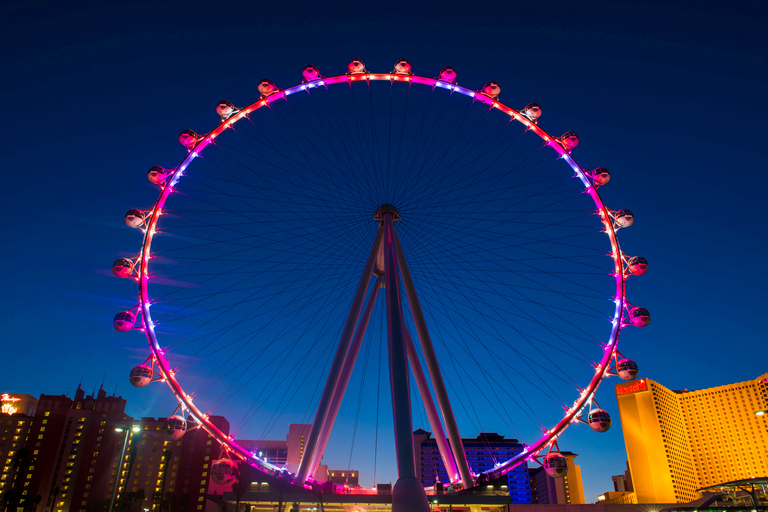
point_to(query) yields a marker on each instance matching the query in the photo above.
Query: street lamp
(127, 431)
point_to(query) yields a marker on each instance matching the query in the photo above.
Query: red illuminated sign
(9, 404)
(632, 388)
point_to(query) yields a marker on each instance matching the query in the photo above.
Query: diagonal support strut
(334, 375)
(346, 373)
(434, 369)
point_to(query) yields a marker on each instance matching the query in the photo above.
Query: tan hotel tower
(680, 441)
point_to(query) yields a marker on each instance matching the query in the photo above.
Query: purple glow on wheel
(272, 94)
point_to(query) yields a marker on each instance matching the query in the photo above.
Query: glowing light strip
(549, 435)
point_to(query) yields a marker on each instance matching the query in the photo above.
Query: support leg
(408, 495)
(334, 374)
(432, 415)
(346, 373)
(434, 369)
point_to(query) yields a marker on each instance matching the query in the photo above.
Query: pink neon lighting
(531, 451)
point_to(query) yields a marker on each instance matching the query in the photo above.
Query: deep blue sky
(671, 98)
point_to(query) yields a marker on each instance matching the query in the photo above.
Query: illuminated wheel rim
(154, 226)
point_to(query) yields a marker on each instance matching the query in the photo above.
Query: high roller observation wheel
(487, 98)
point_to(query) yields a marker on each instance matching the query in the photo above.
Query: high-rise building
(567, 490)
(158, 465)
(344, 477)
(286, 453)
(273, 451)
(622, 493)
(14, 430)
(298, 433)
(67, 452)
(17, 403)
(483, 453)
(680, 441)
(623, 482)
(73, 444)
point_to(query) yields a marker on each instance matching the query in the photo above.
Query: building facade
(680, 441)
(567, 490)
(66, 457)
(483, 453)
(60, 456)
(164, 469)
(17, 403)
(16, 460)
(286, 453)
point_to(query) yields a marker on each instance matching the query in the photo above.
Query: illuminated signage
(8, 404)
(632, 388)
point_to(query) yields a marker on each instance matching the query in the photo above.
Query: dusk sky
(669, 97)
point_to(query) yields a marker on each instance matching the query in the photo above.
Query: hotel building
(483, 453)
(67, 451)
(286, 453)
(159, 465)
(567, 490)
(680, 441)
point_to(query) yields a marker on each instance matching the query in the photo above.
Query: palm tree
(10, 499)
(128, 500)
(22, 458)
(20, 461)
(98, 505)
(141, 496)
(157, 499)
(36, 502)
(167, 455)
(238, 489)
(170, 500)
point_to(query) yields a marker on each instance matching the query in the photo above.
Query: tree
(36, 502)
(141, 496)
(20, 461)
(97, 505)
(170, 501)
(130, 499)
(238, 489)
(11, 499)
(22, 458)
(167, 456)
(157, 499)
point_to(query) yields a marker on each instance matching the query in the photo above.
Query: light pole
(127, 431)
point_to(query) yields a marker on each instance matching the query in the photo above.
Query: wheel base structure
(424, 195)
(409, 496)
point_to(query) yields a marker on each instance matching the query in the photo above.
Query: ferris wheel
(324, 222)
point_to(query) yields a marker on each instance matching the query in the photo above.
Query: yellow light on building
(680, 441)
